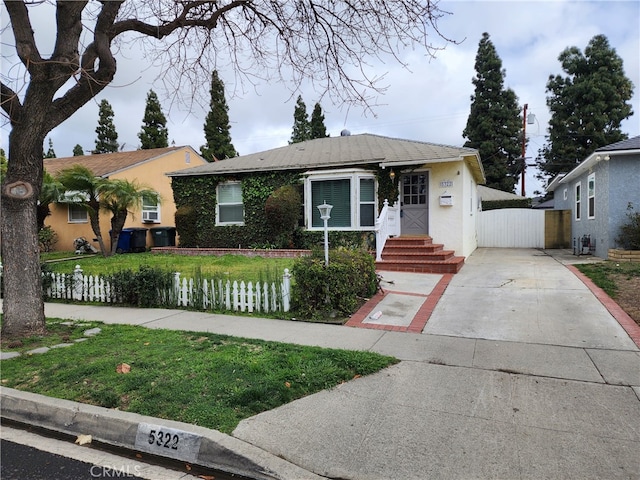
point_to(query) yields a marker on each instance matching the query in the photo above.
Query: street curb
(203, 446)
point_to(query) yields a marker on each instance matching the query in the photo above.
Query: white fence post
(286, 290)
(78, 283)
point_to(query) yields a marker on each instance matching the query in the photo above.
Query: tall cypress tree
(494, 126)
(301, 125)
(107, 137)
(587, 105)
(78, 151)
(154, 133)
(217, 131)
(317, 128)
(51, 152)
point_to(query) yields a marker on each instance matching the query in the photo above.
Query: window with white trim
(77, 213)
(229, 205)
(367, 202)
(150, 211)
(591, 196)
(578, 201)
(352, 194)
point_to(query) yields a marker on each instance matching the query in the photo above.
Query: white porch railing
(202, 294)
(387, 225)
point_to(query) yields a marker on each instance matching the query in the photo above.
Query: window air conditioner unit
(149, 217)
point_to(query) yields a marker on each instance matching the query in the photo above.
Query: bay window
(352, 194)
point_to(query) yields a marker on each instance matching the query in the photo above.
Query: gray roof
(340, 152)
(492, 194)
(629, 144)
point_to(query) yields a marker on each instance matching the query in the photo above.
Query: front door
(414, 203)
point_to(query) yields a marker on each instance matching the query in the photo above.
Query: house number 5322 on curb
(168, 442)
(164, 439)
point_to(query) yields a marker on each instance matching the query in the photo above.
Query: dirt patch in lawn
(628, 295)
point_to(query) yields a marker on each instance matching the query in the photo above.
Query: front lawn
(205, 379)
(234, 267)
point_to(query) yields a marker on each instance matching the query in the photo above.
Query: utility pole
(524, 146)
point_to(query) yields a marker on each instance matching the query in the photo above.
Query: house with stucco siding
(147, 167)
(599, 192)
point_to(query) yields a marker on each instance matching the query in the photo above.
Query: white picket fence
(201, 294)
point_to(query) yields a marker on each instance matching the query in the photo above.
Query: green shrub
(310, 239)
(629, 237)
(282, 211)
(320, 292)
(187, 225)
(498, 204)
(47, 280)
(143, 288)
(47, 238)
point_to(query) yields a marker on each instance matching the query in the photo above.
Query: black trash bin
(163, 236)
(138, 242)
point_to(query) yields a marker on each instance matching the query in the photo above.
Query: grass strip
(603, 274)
(210, 380)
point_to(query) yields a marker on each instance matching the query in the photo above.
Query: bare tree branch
(10, 103)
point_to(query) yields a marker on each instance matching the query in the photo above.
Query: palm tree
(120, 197)
(50, 193)
(82, 188)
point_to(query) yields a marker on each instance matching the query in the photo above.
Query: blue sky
(428, 101)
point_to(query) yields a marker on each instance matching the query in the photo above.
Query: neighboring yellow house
(147, 167)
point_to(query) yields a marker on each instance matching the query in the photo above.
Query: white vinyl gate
(511, 228)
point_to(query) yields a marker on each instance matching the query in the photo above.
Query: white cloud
(430, 101)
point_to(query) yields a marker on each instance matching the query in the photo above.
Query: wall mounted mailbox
(446, 200)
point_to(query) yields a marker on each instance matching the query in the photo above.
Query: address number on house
(168, 442)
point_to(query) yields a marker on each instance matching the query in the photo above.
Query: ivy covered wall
(195, 198)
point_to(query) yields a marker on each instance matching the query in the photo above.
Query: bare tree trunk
(23, 302)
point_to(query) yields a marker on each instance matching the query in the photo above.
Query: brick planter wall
(247, 252)
(624, 255)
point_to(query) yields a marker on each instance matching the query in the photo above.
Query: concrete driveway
(524, 296)
(520, 373)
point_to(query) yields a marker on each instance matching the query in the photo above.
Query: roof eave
(232, 171)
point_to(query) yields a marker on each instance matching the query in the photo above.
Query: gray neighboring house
(598, 192)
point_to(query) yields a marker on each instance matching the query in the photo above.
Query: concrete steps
(418, 255)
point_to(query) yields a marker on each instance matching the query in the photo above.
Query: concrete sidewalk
(520, 373)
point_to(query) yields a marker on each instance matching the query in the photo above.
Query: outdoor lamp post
(325, 215)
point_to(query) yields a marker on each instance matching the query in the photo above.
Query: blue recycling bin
(124, 241)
